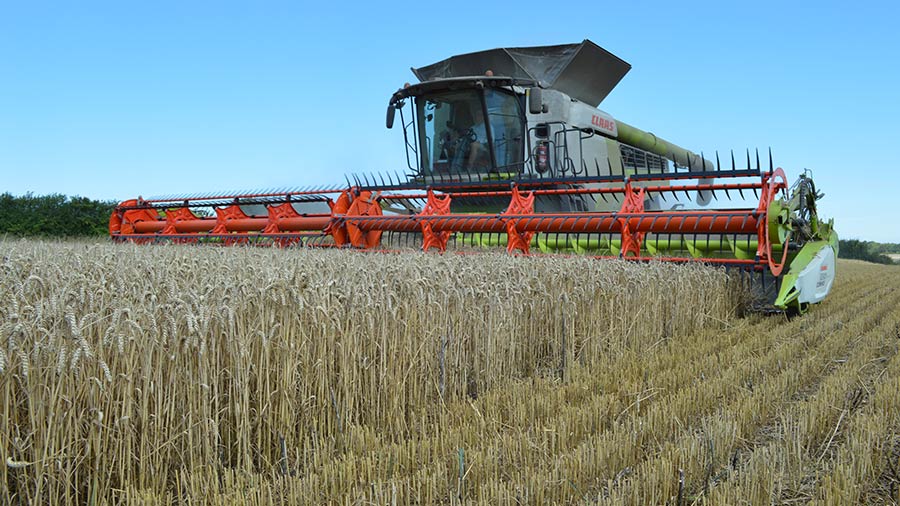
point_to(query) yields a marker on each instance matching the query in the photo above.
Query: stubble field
(164, 374)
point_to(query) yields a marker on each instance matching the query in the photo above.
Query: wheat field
(179, 374)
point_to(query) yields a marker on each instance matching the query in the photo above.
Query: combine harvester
(506, 147)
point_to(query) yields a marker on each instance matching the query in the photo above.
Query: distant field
(164, 374)
(894, 256)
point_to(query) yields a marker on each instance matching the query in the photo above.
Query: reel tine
(771, 165)
(718, 164)
(733, 167)
(748, 159)
(728, 220)
(674, 194)
(757, 160)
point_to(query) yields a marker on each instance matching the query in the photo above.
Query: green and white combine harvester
(507, 147)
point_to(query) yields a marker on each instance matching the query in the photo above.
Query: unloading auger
(506, 147)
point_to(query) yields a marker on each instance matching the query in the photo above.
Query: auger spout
(650, 142)
(656, 145)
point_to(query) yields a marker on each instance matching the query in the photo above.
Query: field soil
(177, 374)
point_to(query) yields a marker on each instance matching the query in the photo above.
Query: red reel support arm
(518, 204)
(633, 203)
(431, 239)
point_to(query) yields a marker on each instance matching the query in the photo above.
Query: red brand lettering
(603, 123)
(823, 268)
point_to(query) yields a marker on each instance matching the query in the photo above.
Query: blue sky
(119, 99)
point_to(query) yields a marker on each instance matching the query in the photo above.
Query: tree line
(53, 215)
(866, 250)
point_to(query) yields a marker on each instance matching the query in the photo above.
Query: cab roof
(584, 71)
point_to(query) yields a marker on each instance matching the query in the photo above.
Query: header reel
(771, 230)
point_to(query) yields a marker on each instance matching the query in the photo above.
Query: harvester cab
(507, 147)
(529, 112)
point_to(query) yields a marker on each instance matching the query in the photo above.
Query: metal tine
(748, 159)
(728, 220)
(771, 165)
(757, 160)
(703, 160)
(733, 167)
(719, 168)
(674, 195)
(381, 177)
